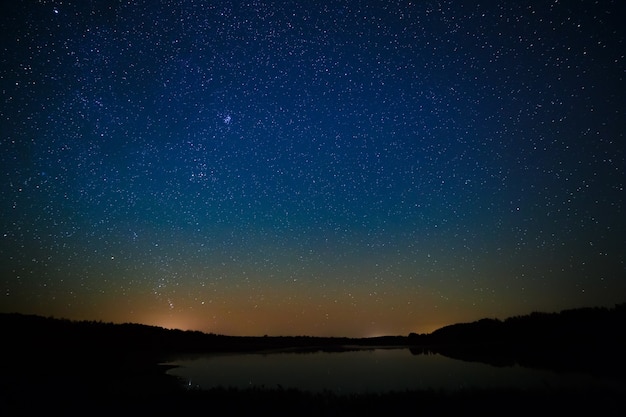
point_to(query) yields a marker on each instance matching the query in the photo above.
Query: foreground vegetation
(276, 402)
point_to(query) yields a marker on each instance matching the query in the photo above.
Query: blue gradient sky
(325, 168)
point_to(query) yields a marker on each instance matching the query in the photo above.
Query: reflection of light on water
(190, 386)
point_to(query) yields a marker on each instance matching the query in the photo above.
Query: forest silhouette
(56, 366)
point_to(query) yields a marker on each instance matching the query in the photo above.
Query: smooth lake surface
(367, 371)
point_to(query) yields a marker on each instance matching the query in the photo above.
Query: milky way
(325, 168)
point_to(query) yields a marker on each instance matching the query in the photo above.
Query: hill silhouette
(584, 339)
(549, 340)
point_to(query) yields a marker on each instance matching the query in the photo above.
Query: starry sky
(332, 168)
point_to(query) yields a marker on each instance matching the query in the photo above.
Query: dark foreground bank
(152, 393)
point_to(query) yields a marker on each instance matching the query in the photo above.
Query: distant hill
(582, 326)
(583, 339)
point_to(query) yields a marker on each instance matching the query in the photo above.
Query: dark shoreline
(151, 391)
(164, 396)
(128, 388)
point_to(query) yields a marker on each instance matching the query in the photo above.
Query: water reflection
(378, 370)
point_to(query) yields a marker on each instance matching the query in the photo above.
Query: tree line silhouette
(589, 339)
(583, 339)
(65, 337)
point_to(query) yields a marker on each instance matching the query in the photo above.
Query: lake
(368, 371)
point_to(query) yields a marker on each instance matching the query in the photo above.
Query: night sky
(336, 168)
